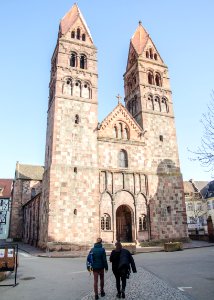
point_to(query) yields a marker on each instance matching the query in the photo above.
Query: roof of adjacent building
(205, 188)
(30, 172)
(6, 188)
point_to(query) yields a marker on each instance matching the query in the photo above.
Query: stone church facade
(119, 179)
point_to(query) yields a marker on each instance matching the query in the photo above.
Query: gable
(120, 125)
(150, 49)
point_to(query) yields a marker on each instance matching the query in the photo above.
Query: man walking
(98, 265)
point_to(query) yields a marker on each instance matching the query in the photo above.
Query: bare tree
(205, 153)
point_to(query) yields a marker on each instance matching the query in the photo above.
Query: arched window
(73, 60)
(155, 56)
(123, 159)
(67, 87)
(105, 222)
(150, 102)
(157, 104)
(83, 61)
(151, 53)
(115, 132)
(142, 223)
(86, 90)
(158, 79)
(77, 89)
(147, 54)
(150, 78)
(83, 37)
(78, 33)
(73, 34)
(164, 105)
(126, 133)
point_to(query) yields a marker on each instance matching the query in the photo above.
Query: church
(119, 179)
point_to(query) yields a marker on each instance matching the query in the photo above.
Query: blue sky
(182, 31)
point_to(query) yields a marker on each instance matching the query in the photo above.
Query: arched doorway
(124, 224)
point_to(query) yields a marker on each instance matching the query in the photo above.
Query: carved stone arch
(150, 75)
(73, 59)
(124, 216)
(77, 88)
(156, 102)
(86, 89)
(158, 79)
(83, 60)
(67, 86)
(164, 105)
(106, 208)
(149, 102)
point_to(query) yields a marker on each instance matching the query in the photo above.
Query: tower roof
(139, 38)
(70, 18)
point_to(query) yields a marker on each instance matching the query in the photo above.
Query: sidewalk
(71, 254)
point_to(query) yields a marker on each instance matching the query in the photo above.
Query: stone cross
(118, 98)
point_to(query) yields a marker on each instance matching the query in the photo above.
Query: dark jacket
(122, 259)
(99, 257)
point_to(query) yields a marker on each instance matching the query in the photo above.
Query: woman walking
(121, 260)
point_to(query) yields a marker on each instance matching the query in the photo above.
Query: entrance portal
(124, 224)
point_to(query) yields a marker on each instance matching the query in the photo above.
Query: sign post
(9, 260)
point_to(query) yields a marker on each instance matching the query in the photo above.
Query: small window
(158, 79)
(73, 34)
(155, 56)
(150, 78)
(169, 209)
(83, 61)
(77, 119)
(123, 159)
(151, 53)
(142, 222)
(83, 37)
(161, 138)
(75, 170)
(147, 54)
(75, 211)
(78, 34)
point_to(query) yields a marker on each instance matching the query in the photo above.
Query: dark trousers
(120, 277)
(97, 274)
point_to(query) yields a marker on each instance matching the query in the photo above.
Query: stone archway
(124, 230)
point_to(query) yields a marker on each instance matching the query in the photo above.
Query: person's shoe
(103, 294)
(118, 295)
(96, 297)
(123, 294)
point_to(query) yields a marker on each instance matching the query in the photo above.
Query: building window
(158, 79)
(155, 56)
(83, 37)
(77, 119)
(150, 78)
(105, 222)
(75, 170)
(75, 211)
(73, 60)
(147, 54)
(142, 223)
(123, 159)
(161, 138)
(83, 61)
(78, 33)
(73, 34)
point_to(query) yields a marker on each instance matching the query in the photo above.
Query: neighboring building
(199, 199)
(27, 186)
(119, 179)
(6, 186)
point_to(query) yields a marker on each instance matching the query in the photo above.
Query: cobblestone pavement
(142, 286)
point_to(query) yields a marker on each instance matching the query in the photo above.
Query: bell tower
(148, 98)
(70, 186)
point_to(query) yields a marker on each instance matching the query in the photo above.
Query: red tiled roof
(6, 184)
(139, 39)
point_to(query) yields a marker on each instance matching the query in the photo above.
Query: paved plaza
(142, 285)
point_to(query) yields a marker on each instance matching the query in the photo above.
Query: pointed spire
(70, 18)
(139, 38)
